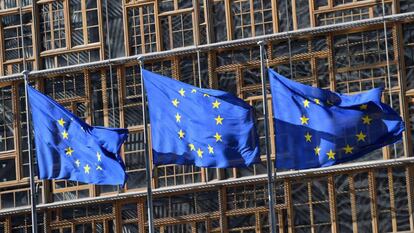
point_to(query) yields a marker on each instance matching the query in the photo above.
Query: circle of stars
(348, 149)
(182, 134)
(69, 151)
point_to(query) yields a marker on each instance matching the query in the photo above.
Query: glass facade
(48, 34)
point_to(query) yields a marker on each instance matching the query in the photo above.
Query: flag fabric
(196, 126)
(68, 148)
(319, 128)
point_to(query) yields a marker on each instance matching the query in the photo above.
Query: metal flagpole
(289, 40)
(29, 146)
(199, 69)
(29, 143)
(388, 67)
(267, 149)
(110, 64)
(147, 159)
(200, 85)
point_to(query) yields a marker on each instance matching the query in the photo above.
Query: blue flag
(202, 127)
(319, 128)
(68, 148)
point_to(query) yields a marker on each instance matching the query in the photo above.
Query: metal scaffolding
(217, 183)
(219, 45)
(402, 17)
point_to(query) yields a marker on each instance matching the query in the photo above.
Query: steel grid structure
(219, 45)
(224, 184)
(219, 183)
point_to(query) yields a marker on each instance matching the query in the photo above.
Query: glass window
(133, 99)
(6, 119)
(177, 30)
(52, 25)
(256, 23)
(8, 170)
(141, 29)
(13, 44)
(7, 4)
(219, 21)
(135, 160)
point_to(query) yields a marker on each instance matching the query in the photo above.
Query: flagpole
(267, 149)
(147, 159)
(200, 85)
(199, 69)
(29, 146)
(387, 56)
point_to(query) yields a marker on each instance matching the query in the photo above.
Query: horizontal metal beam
(219, 45)
(219, 183)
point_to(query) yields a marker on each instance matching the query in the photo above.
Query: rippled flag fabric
(319, 128)
(68, 148)
(202, 127)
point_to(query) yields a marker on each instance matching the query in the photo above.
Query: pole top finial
(261, 42)
(25, 72)
(140, 59)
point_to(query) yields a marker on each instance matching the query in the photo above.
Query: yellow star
(363, 107)
(99, 156)
(317, 101)
(308, 137)
(317, 150)
(218, 137)
(210, 149)
(99, 168)
(219, 120)
(77, 163)
(304, 120)
(178, 117)
(348, 149)
(361, 136)
(181, 134)
(61, 122)
(65, 134)
(182, 92)
(206, 95)
(216, 104)
(366, 120)
(175, 102)
(306, 103)
(193, 91)
(69, 151)
(200, 153)
(87, 169)
(331, 154)
(192, 147)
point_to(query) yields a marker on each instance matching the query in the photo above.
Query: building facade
(52, 38)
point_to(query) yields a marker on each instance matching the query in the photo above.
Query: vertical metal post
(289, 40)
(29, 146)
(200, 85)
(199, 69)
(207, 16)
(147, 159)
(108, 42)
(22, 35)
(267, 143)
(387, 56)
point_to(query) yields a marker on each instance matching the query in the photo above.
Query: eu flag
(319, 128)
(202, 127)
(68, 148)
